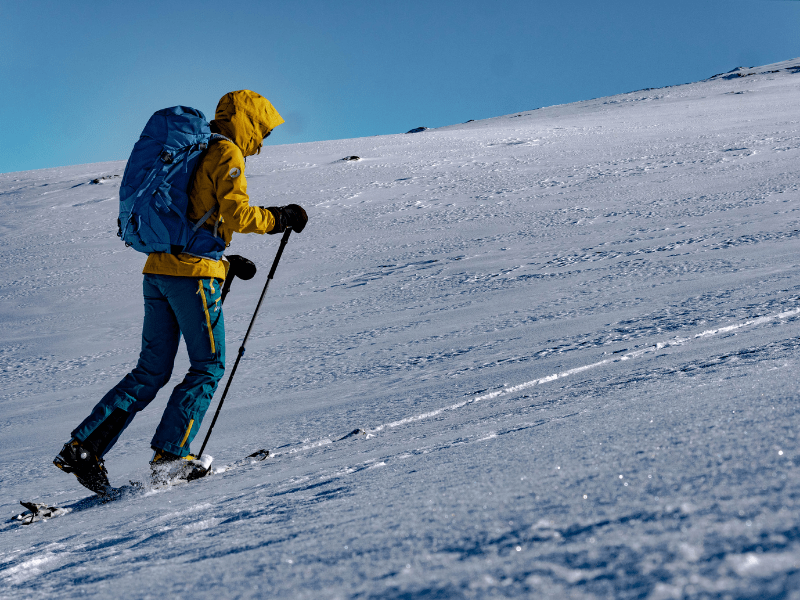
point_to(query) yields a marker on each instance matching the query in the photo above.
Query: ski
(39, 511)
(35, 512)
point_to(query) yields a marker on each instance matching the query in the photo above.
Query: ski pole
(284, 239)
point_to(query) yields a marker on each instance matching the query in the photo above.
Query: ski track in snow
(551, 354)
(638, 353)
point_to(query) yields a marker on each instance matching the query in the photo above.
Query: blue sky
(80, 78)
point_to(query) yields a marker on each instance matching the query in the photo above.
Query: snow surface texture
(570, 338)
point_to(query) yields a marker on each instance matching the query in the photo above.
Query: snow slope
(570, 337)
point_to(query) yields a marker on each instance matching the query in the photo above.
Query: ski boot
(85, 465)
(166, 467)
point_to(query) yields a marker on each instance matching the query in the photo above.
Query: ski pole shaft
(284, 239)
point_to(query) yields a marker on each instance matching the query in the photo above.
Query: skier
(182, 297)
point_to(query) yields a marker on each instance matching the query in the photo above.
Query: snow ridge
(678, 341)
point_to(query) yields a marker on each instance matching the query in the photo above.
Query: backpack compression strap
(205, 217)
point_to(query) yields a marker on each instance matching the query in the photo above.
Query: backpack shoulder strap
(215, 137)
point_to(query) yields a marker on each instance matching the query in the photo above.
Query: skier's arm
(231, 191)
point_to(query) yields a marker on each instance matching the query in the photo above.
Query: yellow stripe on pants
(188, 431)
(208, 317)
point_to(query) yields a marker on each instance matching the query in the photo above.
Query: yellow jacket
(245, 118)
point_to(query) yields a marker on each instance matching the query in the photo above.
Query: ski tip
(259, 454)
(38, 512)
(354, 433)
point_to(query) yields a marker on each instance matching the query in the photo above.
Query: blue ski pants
(173, 306)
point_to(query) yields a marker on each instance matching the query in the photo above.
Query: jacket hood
(245, 118)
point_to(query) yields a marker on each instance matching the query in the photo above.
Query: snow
(568, 338)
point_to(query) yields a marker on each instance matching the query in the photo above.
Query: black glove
(291, 215)
(240, 267)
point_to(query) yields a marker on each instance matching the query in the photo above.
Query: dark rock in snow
(103, 178)
(417, 130)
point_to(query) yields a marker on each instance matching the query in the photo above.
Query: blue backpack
(154, 193)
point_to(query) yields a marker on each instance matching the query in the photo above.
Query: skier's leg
(160, 338)
(197, 307)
